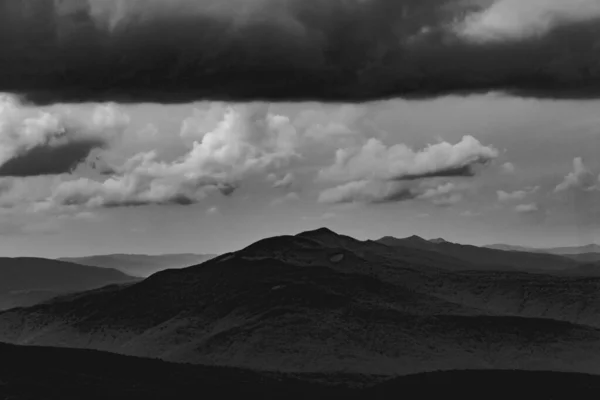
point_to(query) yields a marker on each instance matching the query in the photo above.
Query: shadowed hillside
(44, 373)
(141, 265)
(27, 281)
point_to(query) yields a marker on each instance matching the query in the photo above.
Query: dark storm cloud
(348, 50)
(50, 160)
(452, 172)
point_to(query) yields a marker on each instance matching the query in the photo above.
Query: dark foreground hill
(141, 265)
(43, 373)
(27, 281)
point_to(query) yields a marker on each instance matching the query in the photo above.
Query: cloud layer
(377, 192)
(580, 179)
(375, 173)
(375, 160)
(248, 139)
(34, 143)
(178, 50)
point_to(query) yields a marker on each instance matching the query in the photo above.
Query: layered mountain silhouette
(140, 265)
(486, 258)
(319, 302)
(590, 248)
(565, 251)
(27, 281)
(588, 256)
(44, 373)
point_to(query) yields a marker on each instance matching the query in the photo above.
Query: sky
(82, 175)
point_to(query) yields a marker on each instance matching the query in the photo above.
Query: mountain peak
(320, 232)
(413, 241)
(415, 238)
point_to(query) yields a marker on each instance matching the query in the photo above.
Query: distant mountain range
(140, 265)
(590, 248)
(588, 254)
(320, 302)
(492, 258)
(27, 281)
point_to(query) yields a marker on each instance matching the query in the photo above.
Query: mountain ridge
(322, 302)
(28, 280)
(140, 265)
(565, 250)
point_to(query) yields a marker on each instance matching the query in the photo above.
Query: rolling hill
(44, 373)
(27, 281)
(509, 247)
(140, 265)
(319, 302)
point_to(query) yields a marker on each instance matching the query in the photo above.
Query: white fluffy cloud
(203, 121)
(212, 211)
(518, 19)
(228, 144)
(375, 173)
(446, 194)
(375, 160)
(366, 191)
(373, 191)
(580, 179)
(508, 168)
(35, 143)
(284, 182)
(320, 124)
(527, 208)
(516, 195)
(248, 139)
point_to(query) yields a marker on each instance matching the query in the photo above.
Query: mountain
(412, 241)
(590, 248)
(486, 258)
(141, 265)
(27, 281)
(564, 251)
(584, 254)
(43, 373)
(508, 247)
(319, 302)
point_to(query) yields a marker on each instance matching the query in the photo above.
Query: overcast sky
(79, 177)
